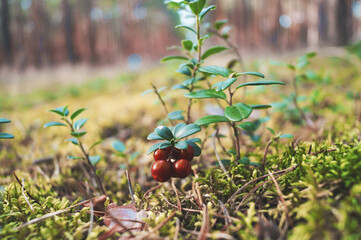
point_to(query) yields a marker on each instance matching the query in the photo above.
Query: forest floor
(311, 189)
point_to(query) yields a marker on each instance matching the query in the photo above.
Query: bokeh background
(131, 33)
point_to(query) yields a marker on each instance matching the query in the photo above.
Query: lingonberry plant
(74, 126)
(198, 86)
(5, 135)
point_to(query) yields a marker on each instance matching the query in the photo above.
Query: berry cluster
(172, 162)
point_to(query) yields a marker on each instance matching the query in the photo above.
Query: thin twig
(176, 193)
(225, 211)
(280, 194)
(130, 186)
(218, 158)
(177, 222)
(265, 154)
(198, 191)
(324, 150)
(205, 224)
(27, 193)
(25, 197)
(151, 190)
(160, 99)
(91, 212)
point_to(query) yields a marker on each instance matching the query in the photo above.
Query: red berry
(182, 168)
(176, 153)
(162, 170)
(162, 154)
(187, 153)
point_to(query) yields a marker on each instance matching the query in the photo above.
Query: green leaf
(164, 132)
(164, 145)
(237, 112)
(161, 89)
(147, 91)
(62, 111)
(6, 136)
(221, 86)
(176, 115)
(187, 45)
(76, 113)
(78, 134)
(179, 86)
(260, 106)
(196, 6)
(249, 126)
(73, 141)
(94, 144)
(168, 58)
(95, 159)
(187, 131)
(181, 145)
(271, 130)
(185, 70)
(194, 140)
(286, 136)
(207, 93)
(211, 119)
(196, 148)
(255, 164)
(257, 74)
(118, 145)
(225, 162)
(186, 27)
(219, 24)
(213, 50)
(260, 83)
(51, 124)
(154, 136)
(154, 147)
(216, 70)
(244, 160)
(69, 157)
(178, 128)
(205, 11)
(78, 124)
(4, 120)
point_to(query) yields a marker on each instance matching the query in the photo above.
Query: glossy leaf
(179, 86)
(80, 123)
(196, 6)
(181, 145)
(52, 124)
(118, 145)
(271, 130)
(196, 148)
(77, 113)
(94, 144)
(168, 58)
(176, 115)
(260, 83)
(95, 159)
(4, 120)
(186, 27)
(237, 112)
(249, 126)
(194, 140)
(257, 74)
(205, 11)
(154, 147)
(164, 132)
(213, 50)
(219, 24)
(73, 141)
(187, 131)
(221, 86)
(208, 93)
(154, 136)
(78, 134)
(177, 128)
(147, 91)
(184, 70)
(62, 111)
(216, 70)
(211, 119)
(6, 136)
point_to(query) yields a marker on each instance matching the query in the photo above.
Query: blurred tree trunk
(343, 22)
(5, 26)
(91, 30)
(68, 30)
(313, 23)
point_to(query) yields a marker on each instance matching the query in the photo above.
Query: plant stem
(233, 125)
(265, 154)
(160, 99)
(295, 102)
(194, 73)
(86, 155)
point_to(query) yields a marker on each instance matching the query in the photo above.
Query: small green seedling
(75, 128)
